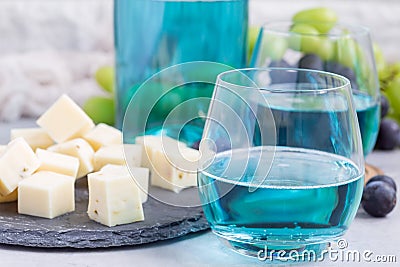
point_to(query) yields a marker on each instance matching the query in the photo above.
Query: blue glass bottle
(151, 35)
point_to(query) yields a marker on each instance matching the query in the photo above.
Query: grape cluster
(345, 57)
(389, 77)
(309, 36)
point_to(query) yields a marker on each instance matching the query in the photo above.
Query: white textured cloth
(31, 82)
(48, 48)
(81, 25)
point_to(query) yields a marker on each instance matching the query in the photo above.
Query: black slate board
(76, 230)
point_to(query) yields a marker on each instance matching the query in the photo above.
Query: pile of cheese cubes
(39, 167)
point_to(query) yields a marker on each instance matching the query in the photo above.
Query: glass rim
(227, 84)
(354, 29)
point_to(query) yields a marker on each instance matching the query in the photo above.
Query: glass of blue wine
(338, 48)
(282, 167)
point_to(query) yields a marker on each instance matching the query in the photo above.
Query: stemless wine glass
(282, 167)
(339, 48)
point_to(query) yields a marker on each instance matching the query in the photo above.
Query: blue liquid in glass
(154, 34)
(368, 114)
(322, 126)
(307, 197)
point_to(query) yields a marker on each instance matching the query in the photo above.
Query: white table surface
(381, 236)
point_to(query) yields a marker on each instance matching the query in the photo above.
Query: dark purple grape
(384, 178)
(311, 61)
(332, 66)
(379, 198)
(196, 145)
(282, 77)
(279, 64)
(384, 106)
(388, 136)
(335, 67)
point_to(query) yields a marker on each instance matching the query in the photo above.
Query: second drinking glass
(338, 48)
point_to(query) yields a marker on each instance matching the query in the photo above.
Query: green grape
(392, 92)
(388, 73)
(394, 68)
(305, 38)
(252, 36)
(385, 75)
(363, 62)
(346, 52)
(100, 109)
(321, 18)
(363, 69)
(326, 48)
(380, 62)
(273, 47)
(105, 78)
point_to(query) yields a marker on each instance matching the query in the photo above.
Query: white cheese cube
(140, 176)
(114, 199)
(80, 149)
(175, 171)
(103, 135)
(35, 137)
(151, 143)
(46, 194)
(133, 154)
(2, 149)
(10, 197)
(17, 162)
(116, 154)
(65, 120)
(58, 163)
